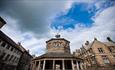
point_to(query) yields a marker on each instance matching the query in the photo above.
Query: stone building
(10, 53)
(12, 56)
(57, 57)
(97, 55)
(25, 59)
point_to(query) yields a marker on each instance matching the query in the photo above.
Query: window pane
(12, 49)
(100, 50)
(2, 56)
(3, 44)
(7, 57)
(8, 47)
(105, 59)
(11, 57)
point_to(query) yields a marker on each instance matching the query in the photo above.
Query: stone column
(72, 65)
(39, 65)
(44, 64)
(34, 66)
(81, 65)
(77, 65)
(63, 64)
(53, 64)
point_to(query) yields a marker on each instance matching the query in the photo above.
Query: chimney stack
(110, 40)
(87, 43)
(19, 43)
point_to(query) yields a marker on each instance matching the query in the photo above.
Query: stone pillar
(72, 65)
(77, 65)
(34, 66)
(53, 64)
(63, 64)
(39, 65)
(44, 64)
(81, 65)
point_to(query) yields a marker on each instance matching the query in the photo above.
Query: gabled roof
(91, 44)
(104, 43)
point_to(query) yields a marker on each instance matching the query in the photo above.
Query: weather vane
(58, 32)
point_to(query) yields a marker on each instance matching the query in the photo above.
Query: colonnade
(57, 65)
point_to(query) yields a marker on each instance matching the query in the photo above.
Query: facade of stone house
(97, 55)
(10, 53)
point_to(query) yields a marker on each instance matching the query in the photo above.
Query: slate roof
(57, 39)
(55, 55)
(8, 40)
(106, 43)
(109, 43)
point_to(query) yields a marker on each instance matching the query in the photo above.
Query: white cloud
(11, 29)
(102, 27)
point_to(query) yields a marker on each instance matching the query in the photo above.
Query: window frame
(105, 59)
(3, 44)
(100, 50)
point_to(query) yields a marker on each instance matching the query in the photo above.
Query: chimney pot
(87, 43)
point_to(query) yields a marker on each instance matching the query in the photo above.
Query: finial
(57, 36)
(95, 38)
(58, 32)
(87, 43)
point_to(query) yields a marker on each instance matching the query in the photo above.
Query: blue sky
(82, 13)
(34, 22)
(78, 13)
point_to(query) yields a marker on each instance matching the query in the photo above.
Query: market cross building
(57, 57)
